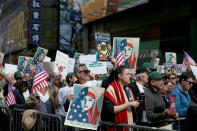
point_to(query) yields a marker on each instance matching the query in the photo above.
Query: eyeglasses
(190, 83)
(85, 71)
(173, 77)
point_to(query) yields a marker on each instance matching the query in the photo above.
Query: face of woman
(87, 102)
(99, 47)
(127, 51)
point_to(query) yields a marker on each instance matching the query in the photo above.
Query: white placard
(194, 70)
(87, 58)
(97, 67)
(59, 67)
(61, 58)
(71, 64)
(47, 59)
(10, 68)
(49, 67)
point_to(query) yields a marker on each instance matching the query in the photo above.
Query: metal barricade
(5, 119)
(48, 122)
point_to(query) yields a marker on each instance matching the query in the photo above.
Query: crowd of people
(142, 97)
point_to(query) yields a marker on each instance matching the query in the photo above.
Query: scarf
(120, 117)
(44, 98)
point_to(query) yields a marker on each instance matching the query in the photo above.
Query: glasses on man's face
(86, 71)
(173, 77)
(190, 83)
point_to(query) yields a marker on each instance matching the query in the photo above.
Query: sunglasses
(85, 71)
(173, 77)
(190, 83)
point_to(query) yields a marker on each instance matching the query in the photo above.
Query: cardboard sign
(27, 65)
(60, 68)
(47, 59)
(97, 68)
(71, 64)
(10, 68)
(85, 109)
(87, 58)
(173, 104)
(160, 69)
(170, 57)
(125, 51)
(156, 62)
(61, 58)
(194, 70)
(169, 68)
(103, 46)
(179, 69)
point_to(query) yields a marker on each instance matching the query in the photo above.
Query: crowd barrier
(50, 122)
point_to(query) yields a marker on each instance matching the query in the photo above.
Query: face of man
(73, 79)
(125, 77)
(23, 87)
(84, 73)
(187, 84)
(18, 79)
(172, 79)
(144, 77)
(157, 84)
(27, 77)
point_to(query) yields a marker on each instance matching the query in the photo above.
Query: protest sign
(38, 57)
(71, 64)
(27, 65)
(21, 63)
(156, 63)
(160, 69)
(76, 57)
(179, 69)
(169, 68)
(10, 68)
(1, 61)
(87, 58)
(61, 58)
(173, 104)
(47, 59)
(125, 51)
(59, 67)
(194, 70)
(85, 109)
(170, 57)
(49, 67)
(103, 46)
(97, 67)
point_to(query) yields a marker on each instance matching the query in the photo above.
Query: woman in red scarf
(119, 99)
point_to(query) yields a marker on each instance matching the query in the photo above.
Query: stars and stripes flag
(187, 60)
(40, 79)
(10, 99)
(120, 59)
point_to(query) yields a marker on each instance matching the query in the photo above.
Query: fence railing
(50, 122)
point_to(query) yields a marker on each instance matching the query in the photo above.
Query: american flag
(10, 99)
(40, 79)
(120, 59)
(187, 60)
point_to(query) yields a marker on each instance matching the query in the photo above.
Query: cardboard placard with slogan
(169, 68)
(97, 67)
(71, 64)
(160, 69)
(85, 109)
(125, 51)
(170, 57)
(38, 57)
(61, 63)
(27, 65)
(47, 59)
(87, 58)
(1, 61)
(103, 46)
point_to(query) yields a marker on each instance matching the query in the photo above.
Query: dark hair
(185, 76)
(113, 76)
(25, 82)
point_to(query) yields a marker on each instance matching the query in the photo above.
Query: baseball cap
(69, 75)
(148, 65)
(17, 74)
(154, 76)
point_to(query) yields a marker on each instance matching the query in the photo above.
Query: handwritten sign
(71, 64)
(47, 59)
(179, 69)
(61, 58)
(10, 68)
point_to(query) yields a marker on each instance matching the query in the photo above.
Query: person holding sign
(182, 97)
(118, 98)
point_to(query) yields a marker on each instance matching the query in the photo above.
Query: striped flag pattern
(187, 60)
(10, 100)
(40, 79)
(120, 59)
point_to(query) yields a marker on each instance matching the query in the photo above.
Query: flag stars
(75, 110)
(84, 120)
(80, 115)
(70, 116)
(78, 106)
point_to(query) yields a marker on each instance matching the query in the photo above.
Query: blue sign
(35, 15)
(35, 38)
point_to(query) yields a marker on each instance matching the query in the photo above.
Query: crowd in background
(140, 97)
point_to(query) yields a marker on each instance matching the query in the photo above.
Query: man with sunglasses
(172, 79)
(182, 97)
(83, 75)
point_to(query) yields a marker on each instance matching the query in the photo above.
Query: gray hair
(77, 68)
(138, 75)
